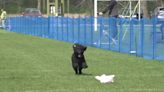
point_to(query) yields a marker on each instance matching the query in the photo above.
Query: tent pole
(139, 10)
(95, 15)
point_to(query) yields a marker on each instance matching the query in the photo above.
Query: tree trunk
(39, 4)
(162, 3)
(144, 9)
(80, 3)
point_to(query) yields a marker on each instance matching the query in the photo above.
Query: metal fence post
(62, 29)
(19, 26)
(120, 35)
(78, 30)
(57, 28)
(101, 31)
(142, 36)
(109, 39)
(91, 21)
(73, 29)
(67, 29)
(131, 34)
(154, 37)
(85, 29)
(48, 27)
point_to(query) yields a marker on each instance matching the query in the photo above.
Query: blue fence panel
(143, 38)
(124, 32)
(120, 35)
(160, 39)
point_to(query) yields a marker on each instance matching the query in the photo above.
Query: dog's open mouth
(79, 56)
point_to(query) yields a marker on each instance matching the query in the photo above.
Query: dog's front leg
(80, 71)
(76, 70)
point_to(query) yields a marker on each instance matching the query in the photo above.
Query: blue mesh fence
(144, 38)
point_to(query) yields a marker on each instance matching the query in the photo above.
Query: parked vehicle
(32, 12)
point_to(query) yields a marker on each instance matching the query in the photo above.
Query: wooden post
(56, 7)
(48, 7)
(68, 6)
(62, 7)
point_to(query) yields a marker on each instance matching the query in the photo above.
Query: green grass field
(32, 64)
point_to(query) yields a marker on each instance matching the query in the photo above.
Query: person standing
(112, 10)
(3, 18)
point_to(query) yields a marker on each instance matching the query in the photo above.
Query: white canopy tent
(95, 10)
(130, 6)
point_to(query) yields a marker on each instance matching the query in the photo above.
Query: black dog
(78, 59)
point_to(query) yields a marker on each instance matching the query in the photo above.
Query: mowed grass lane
(32, 64)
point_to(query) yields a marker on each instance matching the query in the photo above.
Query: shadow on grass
(85, 74)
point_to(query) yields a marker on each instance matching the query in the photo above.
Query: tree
(144, 9)
(39, 4)
(161, 2)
